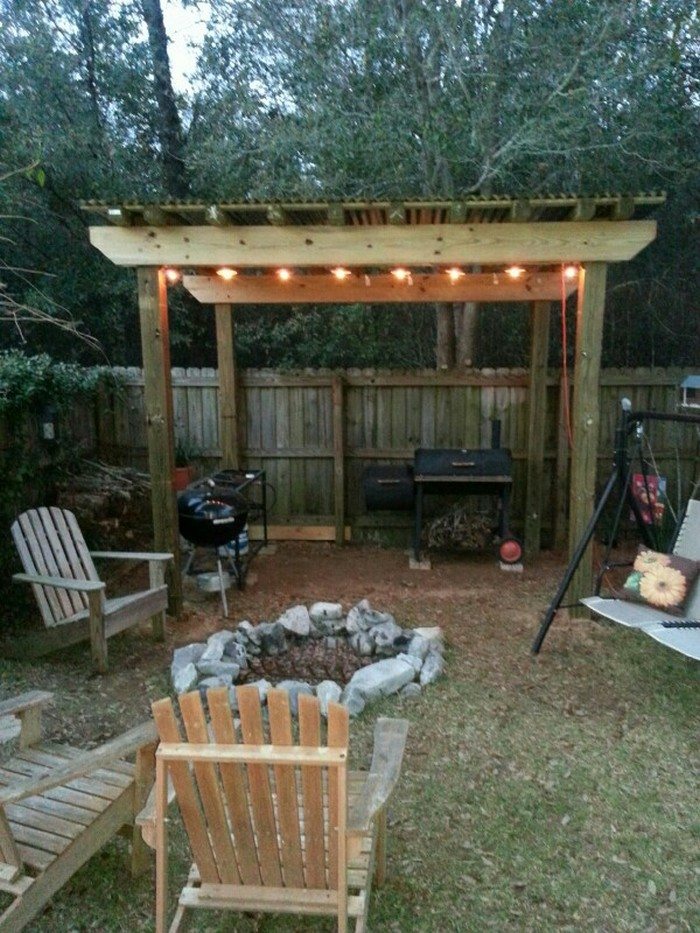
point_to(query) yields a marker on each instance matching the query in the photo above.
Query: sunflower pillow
(662, 581)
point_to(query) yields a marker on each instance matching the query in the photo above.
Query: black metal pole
(574, 562)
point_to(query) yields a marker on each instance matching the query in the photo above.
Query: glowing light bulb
(570, 272)
(401, 275)
(341, 273)
(455, 274)
(226, 274)
(172, 275)
(515, 272)
(284, 275)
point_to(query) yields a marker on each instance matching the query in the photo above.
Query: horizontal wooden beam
(370, 246)
(376, 289)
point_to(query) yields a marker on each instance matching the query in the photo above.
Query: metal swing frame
(630, 425)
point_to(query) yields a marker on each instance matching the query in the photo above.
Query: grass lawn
(551, 793)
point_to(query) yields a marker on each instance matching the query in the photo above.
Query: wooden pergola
(370, 240)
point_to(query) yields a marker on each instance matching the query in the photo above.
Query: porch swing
(678, 632)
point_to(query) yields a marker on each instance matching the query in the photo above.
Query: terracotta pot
(182, 477)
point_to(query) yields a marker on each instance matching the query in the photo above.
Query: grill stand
(493, 485)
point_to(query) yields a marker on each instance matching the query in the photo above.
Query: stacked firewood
(112, 503)
(462, 528)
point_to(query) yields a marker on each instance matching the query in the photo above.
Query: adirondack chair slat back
(688, 545)
(50, 543)
(251, 823)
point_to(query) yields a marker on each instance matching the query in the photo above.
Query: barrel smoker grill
(440, 471)
(212, 513)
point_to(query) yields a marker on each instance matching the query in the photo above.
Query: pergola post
(537, 410)
(158, 397)
(585, 416)
(228, 407)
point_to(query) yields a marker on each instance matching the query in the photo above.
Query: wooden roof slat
(465, 209)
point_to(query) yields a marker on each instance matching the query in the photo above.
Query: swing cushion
(662, 581)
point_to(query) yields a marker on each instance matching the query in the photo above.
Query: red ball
(510, 551)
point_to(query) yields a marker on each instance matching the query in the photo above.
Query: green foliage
(338, 100)
(28, 382)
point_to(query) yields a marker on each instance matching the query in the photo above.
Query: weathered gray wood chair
(59, 805)
(273, 826)
(69, 591)
(680, 634)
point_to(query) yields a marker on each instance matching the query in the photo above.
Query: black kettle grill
(210, 516)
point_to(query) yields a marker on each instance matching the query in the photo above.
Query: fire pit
(354, 658)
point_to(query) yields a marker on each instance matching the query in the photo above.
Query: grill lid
(456, 463)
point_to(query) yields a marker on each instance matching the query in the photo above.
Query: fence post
(537, 416)
(339, 458)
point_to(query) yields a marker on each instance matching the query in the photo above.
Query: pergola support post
(228, 405)
(586, 417)
(158, 397)
(537, 410)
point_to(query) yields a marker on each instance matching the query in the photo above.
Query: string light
(515, 272)
(454, 273)
(284, 275)
(172, 275)
(570, 272)
(401, 275)
(341, 274)
(226, 274)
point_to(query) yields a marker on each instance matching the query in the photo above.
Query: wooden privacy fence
(315, 431)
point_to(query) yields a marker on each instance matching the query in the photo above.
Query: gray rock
(219, 669)
(432, 667)
(402, 641)
(185, 679)
(383, 636)
(263, 686)
(235, 652)
(327, 692)
(255, 634)
(330, 642)
(188, 654)
(329, 626)
(354, 622)
(362, 617)
(294, 688)
(376, 681)
(432, 633)
(272, 638)
(233, 698)
(296, 620)
(244, 629)
(220, 680)
(413, 660)
(411, 691)
(326, 612)
(363, 644)
(215, 646)
(239, 638)
(418, 646)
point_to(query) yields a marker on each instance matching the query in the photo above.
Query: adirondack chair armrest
(387, 757)
(123, 745)
(27, 708)
(60, 583)
(133, 555)
(146, 818)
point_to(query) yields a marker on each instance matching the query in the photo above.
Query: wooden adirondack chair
(69, 591)
(280, 827)
(59, 805)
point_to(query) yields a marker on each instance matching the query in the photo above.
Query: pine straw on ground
(550, 793)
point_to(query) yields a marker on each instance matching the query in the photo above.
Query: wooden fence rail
(314, 432)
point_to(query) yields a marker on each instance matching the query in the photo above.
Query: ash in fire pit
(354, 658)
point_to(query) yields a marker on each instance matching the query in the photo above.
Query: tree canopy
(373, 98)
